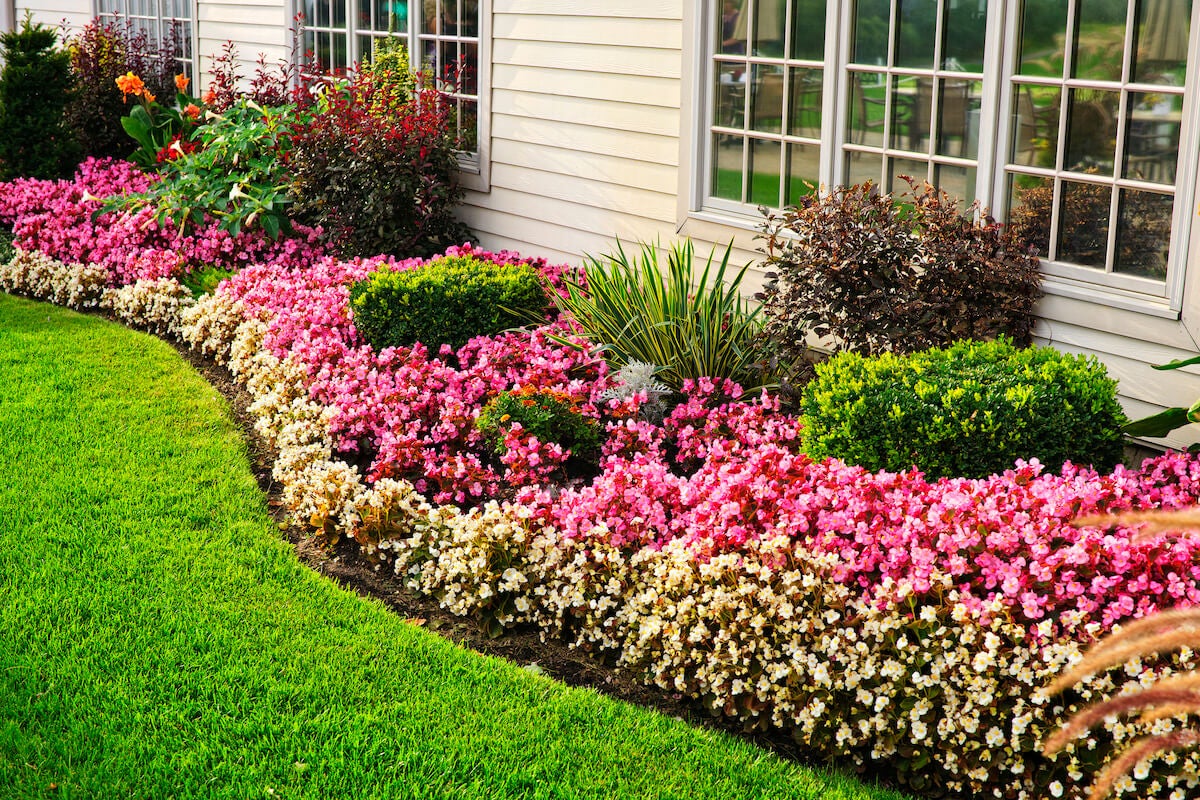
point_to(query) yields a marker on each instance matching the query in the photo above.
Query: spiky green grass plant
(159, 640)
(691, 325)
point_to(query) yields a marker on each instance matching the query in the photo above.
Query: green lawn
(159, 640)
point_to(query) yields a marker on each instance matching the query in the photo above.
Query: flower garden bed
(877, 617)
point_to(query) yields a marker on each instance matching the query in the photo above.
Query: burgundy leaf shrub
(375, 168)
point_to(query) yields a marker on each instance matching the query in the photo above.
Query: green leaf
(1176, 364)
(1160, 424)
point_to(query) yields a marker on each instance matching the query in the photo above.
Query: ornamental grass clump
(968, 410)
(692, 326)
(449, 300)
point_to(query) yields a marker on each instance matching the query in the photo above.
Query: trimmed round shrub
(549, 415)
(968, 410)
(447, 301)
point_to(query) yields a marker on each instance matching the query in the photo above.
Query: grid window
(340, 33)
(1067, 113)
(162, 21)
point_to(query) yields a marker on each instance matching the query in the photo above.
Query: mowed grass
(159, 640)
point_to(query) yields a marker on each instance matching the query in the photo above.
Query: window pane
(803, 170)
(764, 173)
(1035, 125)
(1144, 234)
(768, 28)
(727, 167)
(468, 126)
(804, 102)
(1152, 136)
(1030, 210)
(1092, 131)
(339, 13)
(871, 26)
(1083, 223)
(958, 118)
(917, 170)
(1043, 29)
(766, 101)
(916, 33)
(470, 67)
(963, 37)
(863, 167)
(808, 30)
(956, 181)
(730, 16)
(866, 109)
(912, 108)
(1160, 54)
(731, 93)
(1099, 41)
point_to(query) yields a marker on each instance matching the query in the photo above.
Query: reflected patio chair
(766, 105)
(953, 115)
(1034, 130)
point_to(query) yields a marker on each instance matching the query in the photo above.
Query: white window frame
(474, 166)
(1156, 298)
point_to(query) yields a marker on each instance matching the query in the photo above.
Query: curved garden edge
(343, 562)
(191, 655)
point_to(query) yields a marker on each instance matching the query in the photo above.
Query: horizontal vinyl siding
(254, 26)
(1128, 344)
(52, 13)
(585, 126)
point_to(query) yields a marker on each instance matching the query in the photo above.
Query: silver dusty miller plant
(637, 377)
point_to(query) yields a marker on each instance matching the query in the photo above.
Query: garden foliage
(237, 175)
(35, 88)
(968, 410)
(375, 166)
(881, 274)
(447, 301)
(100, 53)
(690, 325)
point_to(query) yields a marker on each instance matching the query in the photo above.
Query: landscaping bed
(879, 618)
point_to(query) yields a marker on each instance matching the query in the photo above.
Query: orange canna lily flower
(131, 84)
(209, 97)
(192, 110)
(181, 82)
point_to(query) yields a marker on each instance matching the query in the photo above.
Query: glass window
(165, 22)
(442, 37)
(1075, 139)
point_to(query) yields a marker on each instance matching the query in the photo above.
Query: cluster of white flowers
(763, 634)
(210, 324)
(39, 276)
(154, 305)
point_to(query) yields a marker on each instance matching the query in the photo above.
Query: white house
(650, 119)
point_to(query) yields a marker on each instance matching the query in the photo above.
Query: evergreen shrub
(446, 301)
(35, 88)
(968, 410)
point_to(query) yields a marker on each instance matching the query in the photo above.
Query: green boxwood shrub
(447, 301)
(967, 410)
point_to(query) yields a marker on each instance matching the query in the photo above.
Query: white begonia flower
(1056, 789)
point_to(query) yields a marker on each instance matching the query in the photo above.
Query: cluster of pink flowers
(59, 219)
(722, 469)
(407, 412)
